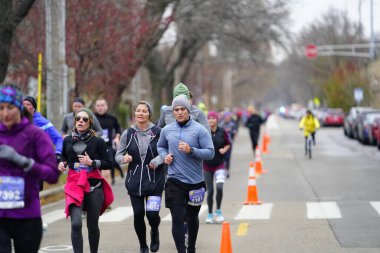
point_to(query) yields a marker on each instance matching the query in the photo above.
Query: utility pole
(372, 48)
(227, 86)
(56, 69)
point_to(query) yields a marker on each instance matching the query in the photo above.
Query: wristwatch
(191, 151)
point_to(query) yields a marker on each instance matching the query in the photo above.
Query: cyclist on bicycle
(309, 123)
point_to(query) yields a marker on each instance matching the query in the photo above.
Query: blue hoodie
(186, 168)
(48, 127)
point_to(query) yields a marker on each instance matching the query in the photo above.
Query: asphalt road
(328, 204)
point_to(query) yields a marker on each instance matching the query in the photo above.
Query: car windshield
(372, 116)
(335, 112)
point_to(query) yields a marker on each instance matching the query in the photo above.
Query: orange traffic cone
(266, 140)
(225, 244)
(252, 198)
(259, 163)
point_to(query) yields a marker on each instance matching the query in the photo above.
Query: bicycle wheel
(309, 144)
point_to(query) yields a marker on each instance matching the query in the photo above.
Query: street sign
(358, 95)
(311, 51)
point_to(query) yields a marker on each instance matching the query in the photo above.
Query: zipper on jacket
(147, 167)
(132, 174)
(140, 180)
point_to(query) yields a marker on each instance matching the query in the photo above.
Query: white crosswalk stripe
(376, 205)
(169, 217)
(255, 212)
(53, 216)
(323, 210)
(314, 210)
(116, 215)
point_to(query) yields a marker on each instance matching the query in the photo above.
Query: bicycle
(308, 145)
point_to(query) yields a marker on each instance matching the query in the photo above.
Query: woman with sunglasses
(26, 158)
(145, 178)
(84, 155)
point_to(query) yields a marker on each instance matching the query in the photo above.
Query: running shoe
(44, 227)
(210, 218)
(219, 216)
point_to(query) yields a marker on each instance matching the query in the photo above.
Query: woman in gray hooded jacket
(145, 178)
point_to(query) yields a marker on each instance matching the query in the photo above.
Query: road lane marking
(242, 229)
(323, 210)
(255, 212)
(116, 215)
(169, 216)
(53, 216)
(376, 205)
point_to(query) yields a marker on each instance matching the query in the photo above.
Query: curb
(51, 191)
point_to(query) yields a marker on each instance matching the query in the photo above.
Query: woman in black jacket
(145, 178)
(84, 155)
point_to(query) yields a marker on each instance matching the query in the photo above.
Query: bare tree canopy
(330, 78)
(11, 15)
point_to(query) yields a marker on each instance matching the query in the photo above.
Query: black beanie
(79, 100)
(32, 100)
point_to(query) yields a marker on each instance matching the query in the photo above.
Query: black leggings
(254, 139)
(209, 178)
(312, 137)
(138, 205)
(93, 202)
(26, 235)
(178, 213)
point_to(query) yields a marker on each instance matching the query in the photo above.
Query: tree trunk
(9, 19)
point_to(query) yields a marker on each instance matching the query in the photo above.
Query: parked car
(333, 117)
(349, 120)
(359, 119)
(365, 121)
(375, 133)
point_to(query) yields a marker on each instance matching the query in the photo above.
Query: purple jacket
(32, 142)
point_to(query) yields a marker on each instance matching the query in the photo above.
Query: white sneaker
(210, 218)
(219, 216)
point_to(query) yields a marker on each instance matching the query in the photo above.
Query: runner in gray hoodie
(145, 178)
(183, 145)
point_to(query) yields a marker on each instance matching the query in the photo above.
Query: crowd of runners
(184, 155)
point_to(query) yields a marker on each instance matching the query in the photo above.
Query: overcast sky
(304, 12)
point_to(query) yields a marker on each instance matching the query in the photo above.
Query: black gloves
(58, 156)
(9, 153)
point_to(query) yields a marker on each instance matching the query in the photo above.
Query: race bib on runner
(11, 192)
(105, 135)
(153, 203)
(196, 197)
(78, 167)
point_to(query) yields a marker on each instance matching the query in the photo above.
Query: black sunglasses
(85, 119)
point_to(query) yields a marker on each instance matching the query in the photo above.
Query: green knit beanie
(181, 89)
(89, 113)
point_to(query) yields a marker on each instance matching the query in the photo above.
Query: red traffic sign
(311, 51)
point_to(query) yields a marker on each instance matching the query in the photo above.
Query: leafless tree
(299, 78)
(11, 14)
(241, 30)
